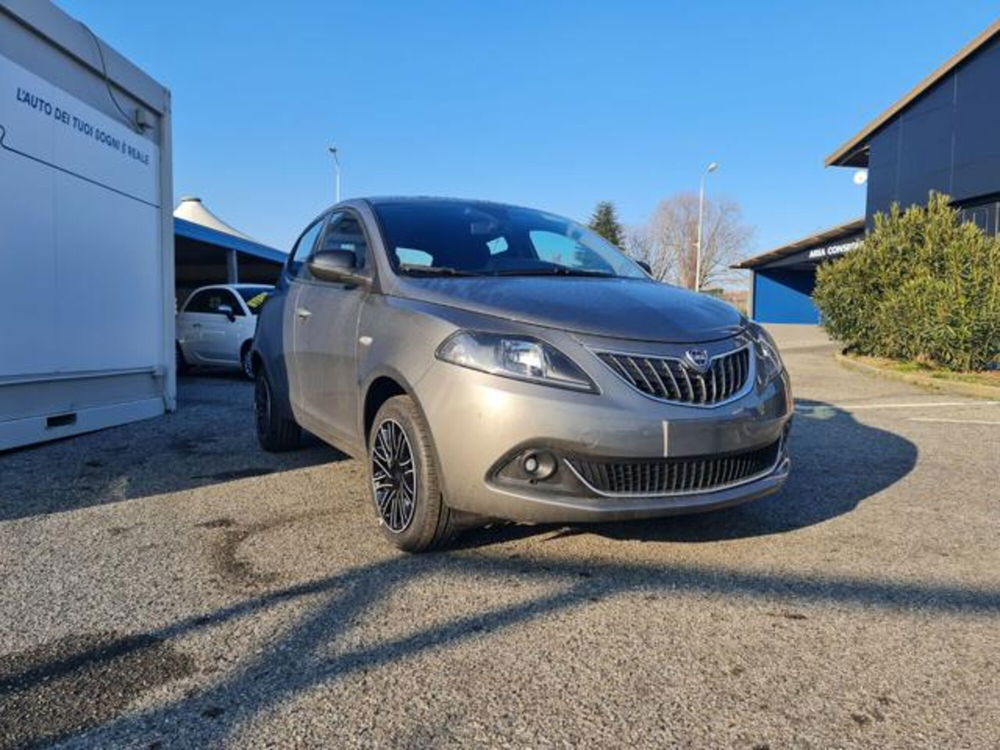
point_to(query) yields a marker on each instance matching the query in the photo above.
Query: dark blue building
(943, 136)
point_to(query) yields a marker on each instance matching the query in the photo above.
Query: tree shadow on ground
(838, 463)
(301, 659)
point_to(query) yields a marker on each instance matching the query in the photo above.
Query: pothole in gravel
(227, 557)
(75, 683)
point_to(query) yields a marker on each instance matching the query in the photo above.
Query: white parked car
(216, 325)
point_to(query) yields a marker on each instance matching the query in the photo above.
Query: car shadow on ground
(837, 462)
(210, 439)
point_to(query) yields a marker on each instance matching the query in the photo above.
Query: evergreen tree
(605, 223)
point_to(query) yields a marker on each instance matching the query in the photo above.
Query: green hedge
(923, 286)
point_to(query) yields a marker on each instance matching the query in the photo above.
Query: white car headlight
(519, 357)
(769, 364)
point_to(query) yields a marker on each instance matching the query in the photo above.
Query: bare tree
(668, 242)
(638, 244)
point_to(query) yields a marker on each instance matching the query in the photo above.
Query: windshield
(255, 296)
(456, 238)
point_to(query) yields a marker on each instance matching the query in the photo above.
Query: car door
(296, 275)
(326, 333)
(191, 322)
(186, 332)
(220, 334)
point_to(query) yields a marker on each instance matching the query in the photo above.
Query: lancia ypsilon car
(489, 361)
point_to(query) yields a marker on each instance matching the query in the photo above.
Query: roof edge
(839, 231)
(842, 155)
(59, 29)
(200, 232)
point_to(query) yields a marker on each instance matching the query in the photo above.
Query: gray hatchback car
(488, 361)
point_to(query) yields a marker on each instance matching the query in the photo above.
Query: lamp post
(336, 164)
(701, 211)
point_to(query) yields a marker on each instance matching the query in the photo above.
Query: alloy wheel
(394, 477)
(262, 405)
(247, 362)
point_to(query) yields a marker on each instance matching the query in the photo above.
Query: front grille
(673, 476)
(669, 379)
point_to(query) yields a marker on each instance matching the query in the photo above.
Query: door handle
(302, 312)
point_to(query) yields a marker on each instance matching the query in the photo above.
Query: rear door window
(198, 302)
(209, 301)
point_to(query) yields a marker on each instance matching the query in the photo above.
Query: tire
(246, 361)
(425, 522)
(276, 429)
(183, 368)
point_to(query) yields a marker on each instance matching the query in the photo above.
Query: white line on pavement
(953, 421)
(913, 405)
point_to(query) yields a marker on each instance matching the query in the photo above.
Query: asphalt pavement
(167, 584)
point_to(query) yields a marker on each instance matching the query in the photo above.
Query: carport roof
(833, 234)
(184, 228)
(854, 153)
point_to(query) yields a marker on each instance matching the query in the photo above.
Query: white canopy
(191, 209)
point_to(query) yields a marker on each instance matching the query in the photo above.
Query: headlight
(519, 357)
(769, 364)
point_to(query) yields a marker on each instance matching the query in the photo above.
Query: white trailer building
(86, 232)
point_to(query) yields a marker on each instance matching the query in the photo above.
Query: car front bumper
(481, 422)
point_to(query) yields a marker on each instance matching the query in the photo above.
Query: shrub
(923, 286)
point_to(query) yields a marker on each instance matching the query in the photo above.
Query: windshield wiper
(552, 271)
(414, 269)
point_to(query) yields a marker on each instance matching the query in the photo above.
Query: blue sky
(554, 105)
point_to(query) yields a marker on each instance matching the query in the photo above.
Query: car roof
(418, 199)
(235, 286)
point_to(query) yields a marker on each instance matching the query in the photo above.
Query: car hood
(617, 308)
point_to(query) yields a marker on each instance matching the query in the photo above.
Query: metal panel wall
(85, 173)
(783, 296)
(948, 140)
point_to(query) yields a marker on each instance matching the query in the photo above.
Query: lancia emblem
(697, 359)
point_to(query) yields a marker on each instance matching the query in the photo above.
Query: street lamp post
(701, 211)
(336, 164)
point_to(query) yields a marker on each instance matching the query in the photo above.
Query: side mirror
(335, 265)
(226, 310)
(645, 266)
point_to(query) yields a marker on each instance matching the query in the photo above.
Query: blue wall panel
(784, 296)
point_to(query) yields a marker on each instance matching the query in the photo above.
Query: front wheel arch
(379, 391)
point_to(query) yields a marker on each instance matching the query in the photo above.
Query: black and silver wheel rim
(262, 405)
(394, 477)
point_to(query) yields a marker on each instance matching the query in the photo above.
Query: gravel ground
(167, 584)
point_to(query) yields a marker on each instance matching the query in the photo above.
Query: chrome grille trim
(729, 376)
(669, 477)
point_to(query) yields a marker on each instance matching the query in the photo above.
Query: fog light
(539, 465)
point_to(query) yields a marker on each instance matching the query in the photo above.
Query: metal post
(232, 267)
(701, 210)
(336, 166)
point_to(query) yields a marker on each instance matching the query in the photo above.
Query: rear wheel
(276, 429)
(246, 361)
(406, 489)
